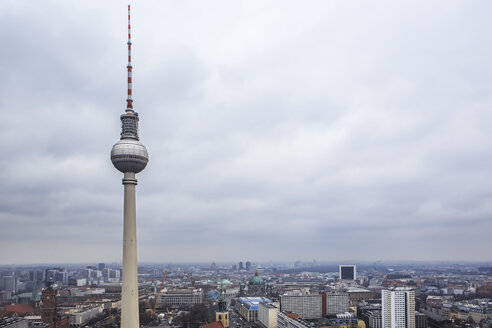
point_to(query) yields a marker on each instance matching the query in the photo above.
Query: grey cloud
(320, 130)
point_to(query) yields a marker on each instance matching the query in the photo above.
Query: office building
(347, 272)
(398, 308)
(421, 320)
(182, 297)
(307, 306)
(337, 302)
(291, 320)
(267, 315)
(9, 284)
(248, 307)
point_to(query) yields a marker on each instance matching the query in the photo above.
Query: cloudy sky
(277, 130)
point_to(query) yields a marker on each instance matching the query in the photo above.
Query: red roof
(216, 324)
(20, 309)
(292, 315)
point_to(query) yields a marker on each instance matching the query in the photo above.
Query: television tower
(129, 156)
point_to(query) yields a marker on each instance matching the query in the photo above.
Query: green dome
(256, 280)
(225, 282)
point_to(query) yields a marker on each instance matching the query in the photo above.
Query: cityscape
(247, 294)
(319, 165)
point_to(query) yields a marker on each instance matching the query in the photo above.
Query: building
(49, 311)
(129, 156)
(256, 286)
(347, 272)
(398, 308)
(420, 320)
(48, 307)
(222, 314)
(182, 297)
(291, 320)
(247, 307)
(267, 315)
(337, 302)
(307, 306)
(359, 294)
(17, 310)
(478, 314)
(13, 322)
(82, 314)
(372, 318)
(9, 284)
(350, 322)
(216, 324)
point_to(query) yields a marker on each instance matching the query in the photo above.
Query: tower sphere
(129, 155)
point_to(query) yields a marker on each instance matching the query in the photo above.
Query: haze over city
(276, 131)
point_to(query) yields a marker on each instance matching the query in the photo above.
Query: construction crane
(158, 296)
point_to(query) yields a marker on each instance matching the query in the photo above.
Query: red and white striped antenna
(129, 100)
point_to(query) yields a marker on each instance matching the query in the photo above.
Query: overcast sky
(277, 130)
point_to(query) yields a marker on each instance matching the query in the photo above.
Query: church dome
(256, 280)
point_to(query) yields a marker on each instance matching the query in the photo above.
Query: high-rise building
(62, 276)
(129, 156)
(307, 306)
(337, 302)
(398, 308)
(248, 265)
(241, 267)
(101, 266)
(348, 272)
(10, 284)
(267, 315)
(36, 275)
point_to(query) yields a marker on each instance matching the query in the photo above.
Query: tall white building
(398, 308)
(267, 314)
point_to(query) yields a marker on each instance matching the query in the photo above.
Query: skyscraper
(398, 308)
(348, 272)
(129, 156)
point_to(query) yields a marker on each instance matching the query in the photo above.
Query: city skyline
(332, 131)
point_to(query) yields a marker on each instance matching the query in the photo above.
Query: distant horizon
(317, 263)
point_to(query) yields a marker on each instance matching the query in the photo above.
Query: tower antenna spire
(129, 100)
